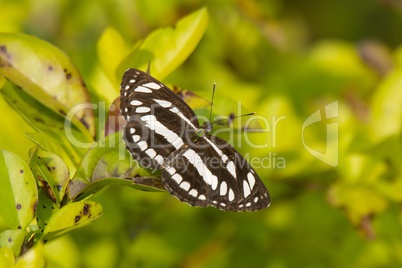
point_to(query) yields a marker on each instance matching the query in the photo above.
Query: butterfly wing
(156, 118)
(213, 173)
(202, 171)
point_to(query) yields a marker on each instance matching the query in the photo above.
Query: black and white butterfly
(162, 132)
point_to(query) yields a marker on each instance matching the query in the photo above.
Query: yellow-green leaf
(47, 74)
(13, 240)
(54, 172)
(108, 162)
(33, 258)
(387, 107)
(165, 49)
(6, 257)
(18, 192)
(111, 51)
(72, 216)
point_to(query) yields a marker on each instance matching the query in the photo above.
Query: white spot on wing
(251, 180)
(159, 159)
(132, 130)
(136, 138)
(214, 182)
(132, 81)
(177, 178)
(202, 197)
(175, 110)
(185, 185)
(171, 170)
(135, 102)
(142, 89)
(231, 168)
(193, 192)
(152, 85)
(142, 110)
(223, 189)
(151, 152)
(143, 145)
(246, 189)
(231, 195)
(163, 103)
(127, 87)
(224, 158)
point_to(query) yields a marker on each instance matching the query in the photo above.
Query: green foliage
(45, 73)
(18, 190)
(47, 199)
(283, 60)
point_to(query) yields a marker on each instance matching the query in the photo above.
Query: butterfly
(162, 132)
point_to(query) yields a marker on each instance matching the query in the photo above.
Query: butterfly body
(162, 132)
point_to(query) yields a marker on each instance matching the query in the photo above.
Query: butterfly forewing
(162, 132)
(150, 137)
(138, 86)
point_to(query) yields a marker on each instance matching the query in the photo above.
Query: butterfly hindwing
(218, 176)
(250, 193)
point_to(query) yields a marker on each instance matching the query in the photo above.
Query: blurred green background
(281, 59)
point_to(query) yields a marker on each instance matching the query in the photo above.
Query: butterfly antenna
(149, 67)
(232, 118)
(212, 101)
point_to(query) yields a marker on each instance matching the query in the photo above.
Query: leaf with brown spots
(47, 74)
(18, 192)
(13, 240)
(50, 124)
(71, 216)
(54, 173)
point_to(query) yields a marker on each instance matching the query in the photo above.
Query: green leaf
(353, 199)
(32, 258)
(193, 100)
(386, 107)
(47, 74)
(165, 49)
(109, 159)
(6, 257)
(111, 51)
(146, 184)
(48, 122)
(46, 209)
(18, 191)
(2, 81)
(54, 172)
(71, 216)
(13, 240)
(63, 253)
(50, 145)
